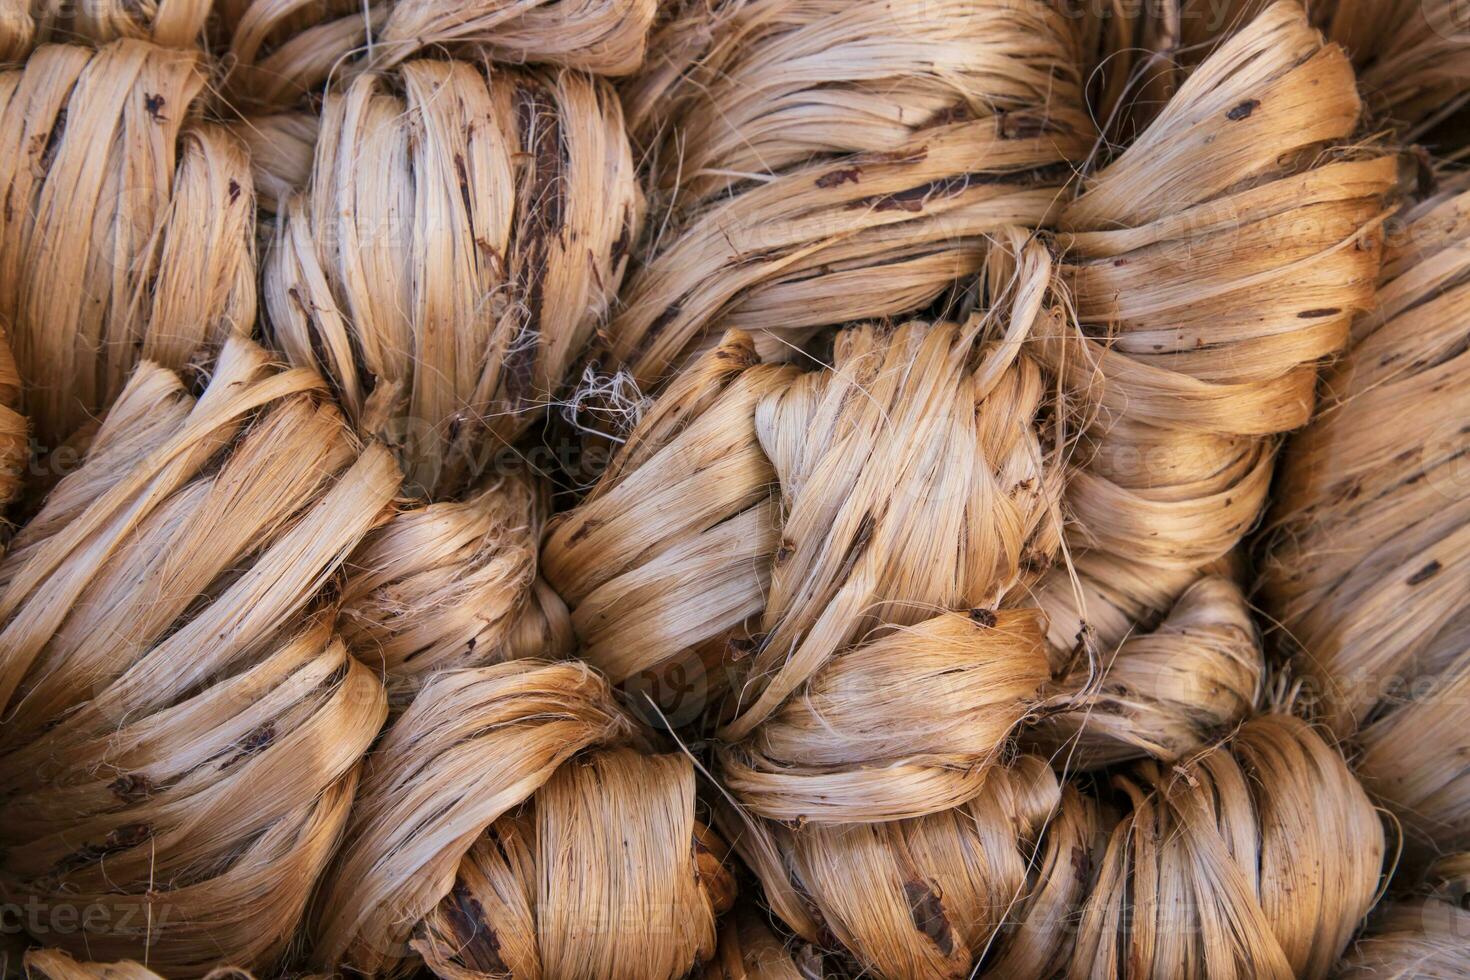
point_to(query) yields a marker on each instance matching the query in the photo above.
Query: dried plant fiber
(182, 731)
(282, 49)
(666, 561)
(1254, 859)
(129, 227)
(462, 237)
(169, 23)
(749, 950)
(14, 427)
(918, 498)
(1211, 266)
(824, 161)
(1370, 532)
(282, 146)
(512, 822)
(56, 964)
(1422, 936)
(451, 585)
(1412, 59)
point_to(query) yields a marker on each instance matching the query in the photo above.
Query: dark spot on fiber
(928, 915)
(131, 787)
(838, 177)
(1426, 573)
(984, 617)
(1318, 313)
(234, 190)
(154, 104)
(1243, 110)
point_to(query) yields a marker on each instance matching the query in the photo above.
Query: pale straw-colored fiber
(823, 161)
(461, 239)
(666, 561)
(1254, 859)
(169, 23)
(918, 500)
(128, 225)
(1211, 267)
(1370, 532)
(453, 584)
(279, 50)
(182, 730)
(1412, 56)
(514, 821)
(56, 964)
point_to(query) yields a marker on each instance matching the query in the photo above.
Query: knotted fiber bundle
(182, 732)
(282, 49)
(821, 161)
(918, 500)
(1212, 265)
(513, 822)
(1255, 859)
(666, 561)
(55, 964)
(129, 227)
(1423, 936)
(1370, 534)
(453, 584)
(462, 238)
(1411, 55)
(170, 23)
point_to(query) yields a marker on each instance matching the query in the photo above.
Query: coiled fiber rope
(282, 49)
(463, 235)
(918, 499)
(514, 821)
(169, 23)
(820, 162)
(667, 558)
(453, 584)
(1255, 859)
(1412, 59)
(127, 230)
(1212, 265)
(1370, 532)
(182, 731)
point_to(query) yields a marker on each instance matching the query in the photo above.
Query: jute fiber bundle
(453, 584)
(514, 821)
(56, 964)
(170, 23)
(282, 146)
(1211, 265)
(667, 561)
(282, 49)
(749, 950)
(1412, 56)
(129, 226)
(1371, 533)
(1423, 937)
(824, 161)
(1254, 859)
(463, 236)
(14, 427)
(182, 730)
(918, 500)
